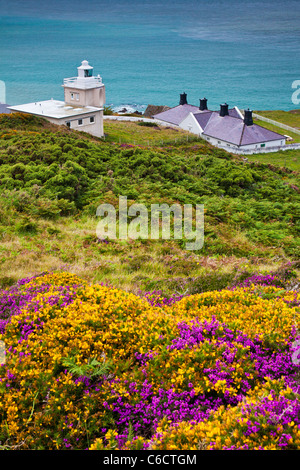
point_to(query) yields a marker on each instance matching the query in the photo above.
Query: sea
(242, 52)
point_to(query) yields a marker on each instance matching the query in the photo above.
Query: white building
(227, 128)
(82, 109)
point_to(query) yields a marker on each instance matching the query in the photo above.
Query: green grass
(290, 118)
(287, 159)
(132, 265)
(134, 133)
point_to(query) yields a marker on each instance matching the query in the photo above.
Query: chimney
(224, 110)
(183, 99)
(248, 119)
(203, 104)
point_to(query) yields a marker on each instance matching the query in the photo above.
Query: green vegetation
(290, 159)
(287, 159)
(290, 118)
(52, 180)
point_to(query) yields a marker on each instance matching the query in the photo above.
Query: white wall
(190, 124)
(271, 143)
(85, 97)
(95, 128)
(218, 142)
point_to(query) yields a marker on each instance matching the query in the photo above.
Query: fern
(130, 432)
(93, 368)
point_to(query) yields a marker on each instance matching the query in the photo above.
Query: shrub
(26, 226)
(91, 366)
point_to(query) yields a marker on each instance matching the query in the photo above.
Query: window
(262, 145)
(68, 124)
(79, 122)
(72, 96)
(77, 96)
(92, 119)
(88, 73)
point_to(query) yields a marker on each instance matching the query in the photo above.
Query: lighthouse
(82, 108)
(85, 89)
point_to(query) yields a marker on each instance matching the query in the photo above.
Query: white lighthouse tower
(85, 89)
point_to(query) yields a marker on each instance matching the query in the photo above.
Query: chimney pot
(248, 118)
(203, 104)
(183, 99)
(224, 110)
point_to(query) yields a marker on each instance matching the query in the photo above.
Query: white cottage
(82, 109)
(227, 127)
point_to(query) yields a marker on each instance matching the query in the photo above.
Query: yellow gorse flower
(111, 325)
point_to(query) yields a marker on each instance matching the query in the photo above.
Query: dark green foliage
(50, 173)
(108, 111)
(148, 124)
(26, 226)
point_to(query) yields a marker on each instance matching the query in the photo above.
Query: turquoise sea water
(148, 52)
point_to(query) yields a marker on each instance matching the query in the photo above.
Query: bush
(94, 367)
(148, 124)
(26, 226)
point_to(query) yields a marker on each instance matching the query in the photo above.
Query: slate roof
(234, 130)
(230, 128)
(4, 109)
(256, 134)
(177, 114)
(233, 112)
(203, 118)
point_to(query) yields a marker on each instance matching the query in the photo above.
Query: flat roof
(53, 109)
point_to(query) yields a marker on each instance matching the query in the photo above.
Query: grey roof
(177, 114)
(4, 109)
(230, 128)
(203, 118)
(255, 134)
(233, 130)
(233, 112)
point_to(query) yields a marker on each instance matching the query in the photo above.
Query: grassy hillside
(290, 159)
(52, 181)
(141, 344)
